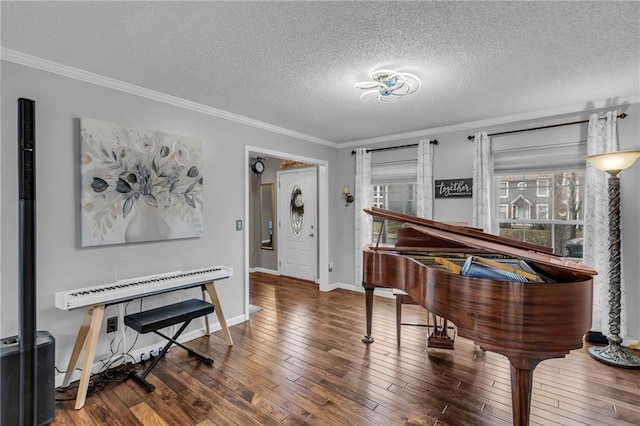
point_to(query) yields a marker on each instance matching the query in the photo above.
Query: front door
(297, 223)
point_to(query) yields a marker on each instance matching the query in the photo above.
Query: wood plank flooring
(300, 360)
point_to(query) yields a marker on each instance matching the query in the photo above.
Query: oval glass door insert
(297, 211)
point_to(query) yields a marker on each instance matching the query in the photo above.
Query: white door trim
(323, 231)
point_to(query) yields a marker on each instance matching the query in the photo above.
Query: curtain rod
(472, 137)
(433, 142)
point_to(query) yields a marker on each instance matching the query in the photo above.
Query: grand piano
(542, 313)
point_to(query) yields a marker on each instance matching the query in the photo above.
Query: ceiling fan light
(389, 99)
(389, 85)
(370, 94)
(368, 85)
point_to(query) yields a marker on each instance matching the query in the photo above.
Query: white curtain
(601, 137)
(424, 187)
(363, 221)
(482, 170)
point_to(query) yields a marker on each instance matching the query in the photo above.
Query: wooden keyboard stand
(89, 331)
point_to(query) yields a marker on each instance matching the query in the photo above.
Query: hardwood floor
(299, 360)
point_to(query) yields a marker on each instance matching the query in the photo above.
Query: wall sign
(454, 188)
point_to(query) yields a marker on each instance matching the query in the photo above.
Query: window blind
(394, 172)
(542, 158)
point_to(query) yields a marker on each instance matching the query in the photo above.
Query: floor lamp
(614, 354)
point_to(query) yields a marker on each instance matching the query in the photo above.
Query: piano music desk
(89, 331)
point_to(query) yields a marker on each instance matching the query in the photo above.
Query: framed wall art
(138, 185)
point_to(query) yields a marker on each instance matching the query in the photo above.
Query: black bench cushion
(164, 316)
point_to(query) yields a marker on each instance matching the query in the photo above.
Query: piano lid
(477, 239)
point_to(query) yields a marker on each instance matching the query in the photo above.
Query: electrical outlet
(155, 352)
(112, 324)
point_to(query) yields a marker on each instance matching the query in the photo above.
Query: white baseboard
(349, 287)
(264, 271)
(333, 286)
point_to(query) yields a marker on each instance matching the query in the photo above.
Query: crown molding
(89, 77)
(100, 80)
(479, 124)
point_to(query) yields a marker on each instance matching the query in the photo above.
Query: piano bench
(153, 320)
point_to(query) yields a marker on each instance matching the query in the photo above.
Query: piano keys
(134, 288)
(526, 321)
(95, 298)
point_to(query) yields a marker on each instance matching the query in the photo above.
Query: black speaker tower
(32, 352)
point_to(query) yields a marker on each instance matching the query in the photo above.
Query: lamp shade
(614, 162)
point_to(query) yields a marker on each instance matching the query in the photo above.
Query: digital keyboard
(133, 288)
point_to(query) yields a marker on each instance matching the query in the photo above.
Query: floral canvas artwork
(138, 185)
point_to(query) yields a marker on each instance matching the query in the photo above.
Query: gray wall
(61, 263)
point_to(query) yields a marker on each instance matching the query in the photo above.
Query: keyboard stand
(165, 316)
(89, 331)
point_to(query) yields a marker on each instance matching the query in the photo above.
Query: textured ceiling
(294, 64)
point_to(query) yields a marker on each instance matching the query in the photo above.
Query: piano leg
(521, 381)
(368, 293)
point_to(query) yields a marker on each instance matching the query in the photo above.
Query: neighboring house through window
(544, 202)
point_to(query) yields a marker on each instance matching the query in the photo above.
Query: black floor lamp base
(596, 337)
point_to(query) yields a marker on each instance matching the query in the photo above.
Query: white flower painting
(138, 185)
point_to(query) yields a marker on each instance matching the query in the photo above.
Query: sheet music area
(94, 299)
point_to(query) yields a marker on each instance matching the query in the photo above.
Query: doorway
(322, 231)
(297, 223)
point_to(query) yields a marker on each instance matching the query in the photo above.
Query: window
(552, 220)
(378, 196)
(542, 211)
(393, 187)
(502, 211)
(542, 187)
(545, 184)
(503, 190)
(399, 197)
